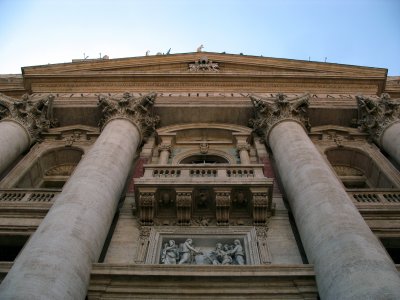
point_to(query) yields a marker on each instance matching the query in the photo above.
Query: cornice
(203, 83)
(191, 57)
(171, 72)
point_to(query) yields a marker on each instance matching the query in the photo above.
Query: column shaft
(390, 141)
(57, 260)
(349, 261)
(14, 140)
(244, 157)
(164, 156)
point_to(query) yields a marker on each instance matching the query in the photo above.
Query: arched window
(356, 169)
(52, 169)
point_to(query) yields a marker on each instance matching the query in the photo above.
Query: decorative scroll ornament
(374, 116)
(269, 112)
(136, 110)
(35, 116)
(222, 203)
(203, 65)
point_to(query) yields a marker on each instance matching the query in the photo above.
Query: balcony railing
(28, 195)
(375, 198)
(179, 173)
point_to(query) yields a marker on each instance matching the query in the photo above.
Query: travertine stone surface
(125, 241)
(14, 139)
(349, 261)
(56, 262)
(390, 141)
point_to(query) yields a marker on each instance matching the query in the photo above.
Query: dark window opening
(204, 159)
(10, 246)
(392, 247)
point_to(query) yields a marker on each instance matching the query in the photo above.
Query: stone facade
(198, 176)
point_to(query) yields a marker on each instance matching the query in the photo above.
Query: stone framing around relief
(204, 239)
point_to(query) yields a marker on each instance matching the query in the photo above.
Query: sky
(355, 32)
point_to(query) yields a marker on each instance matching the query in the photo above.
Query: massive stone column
(381, 119)
(349, 261)
(57, 260)
(21, 122)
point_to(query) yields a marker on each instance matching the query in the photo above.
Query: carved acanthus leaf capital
(35, 116)
(269, 112)
(375, 115)
(244, 146)
(137, 110)
(164, 147)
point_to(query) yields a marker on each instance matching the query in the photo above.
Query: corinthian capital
(35, 116)
(136, 110)
(269, 112)
(375, 115)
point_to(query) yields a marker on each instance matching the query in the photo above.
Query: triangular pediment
(180, 63)
(203, 72)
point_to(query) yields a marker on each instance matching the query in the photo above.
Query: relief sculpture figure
(170, 253)
(238, 252)
(187, 252)
(221, 256)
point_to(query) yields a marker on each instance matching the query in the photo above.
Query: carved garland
(374, 116)
(269, 112)
(35, 117)
(136, 110)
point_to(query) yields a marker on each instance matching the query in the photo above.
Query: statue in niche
(203, 199)
(188, 252)
(240, 200)
(165, 199)
(170, 253)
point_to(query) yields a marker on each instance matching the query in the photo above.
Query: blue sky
(356, 32)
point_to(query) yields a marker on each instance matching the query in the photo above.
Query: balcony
(218, 192)
(26, 201)
(377, 200)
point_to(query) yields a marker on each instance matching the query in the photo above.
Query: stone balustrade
(219, 171)
(28, 195)
(376, 198)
